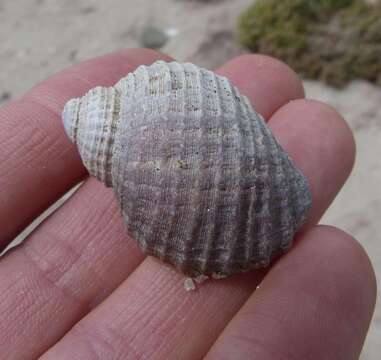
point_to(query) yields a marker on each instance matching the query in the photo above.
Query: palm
(80, 279)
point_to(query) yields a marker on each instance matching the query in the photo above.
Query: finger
(315, 303)
(152, 313)
(70, 250)
(151, 316)
(267, 82)
(37, 163)
(63, 270)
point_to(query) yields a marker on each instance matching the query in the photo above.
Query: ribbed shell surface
(91, 124)
(201, 181)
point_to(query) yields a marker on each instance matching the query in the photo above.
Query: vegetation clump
(332, 40)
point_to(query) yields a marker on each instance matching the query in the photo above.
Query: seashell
(201, 181)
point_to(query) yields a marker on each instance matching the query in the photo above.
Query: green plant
(333, 40)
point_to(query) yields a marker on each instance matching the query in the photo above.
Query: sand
(39, 38)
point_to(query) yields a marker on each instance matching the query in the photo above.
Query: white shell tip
(68, 114)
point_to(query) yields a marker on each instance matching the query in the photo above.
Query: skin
(79, 287)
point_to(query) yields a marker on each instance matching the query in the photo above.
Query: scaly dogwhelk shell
(201, 181)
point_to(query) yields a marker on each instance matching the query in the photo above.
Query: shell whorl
(201, 181)
(91, 123)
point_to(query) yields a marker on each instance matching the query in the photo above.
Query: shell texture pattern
(201, 181)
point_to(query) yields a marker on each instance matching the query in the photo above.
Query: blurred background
(334, 45)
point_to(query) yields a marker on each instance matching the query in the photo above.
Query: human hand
(80, 288)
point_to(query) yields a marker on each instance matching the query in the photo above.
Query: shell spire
(201, 181)
(91, 123)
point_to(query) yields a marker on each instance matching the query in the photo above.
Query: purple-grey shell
(201, 181)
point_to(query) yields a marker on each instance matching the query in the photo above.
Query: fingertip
(347, 277)
(318, 299)
(344, 250)
(326, 120)
(266, 81)
(150, 53)
(348, 280)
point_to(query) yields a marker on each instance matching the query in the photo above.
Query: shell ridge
(243, 206)
(125, 87)
(109, 153)
(289, 211)
(230, 111)
(75, 129)
(172, 71)
(70, 116)
(248, 225)
(294, 199)
(105, 141)
(264, 177)
(80, 135)
(193, 84)
(98, 159)
(303, 199)
(102, 93)
(254, 224)
(153, 76)
(142, 91)
(282, 184)
(121, 142)
(276, 235)
(212, 112)
(92, 144)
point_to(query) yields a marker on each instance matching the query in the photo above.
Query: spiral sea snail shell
(200, 179)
